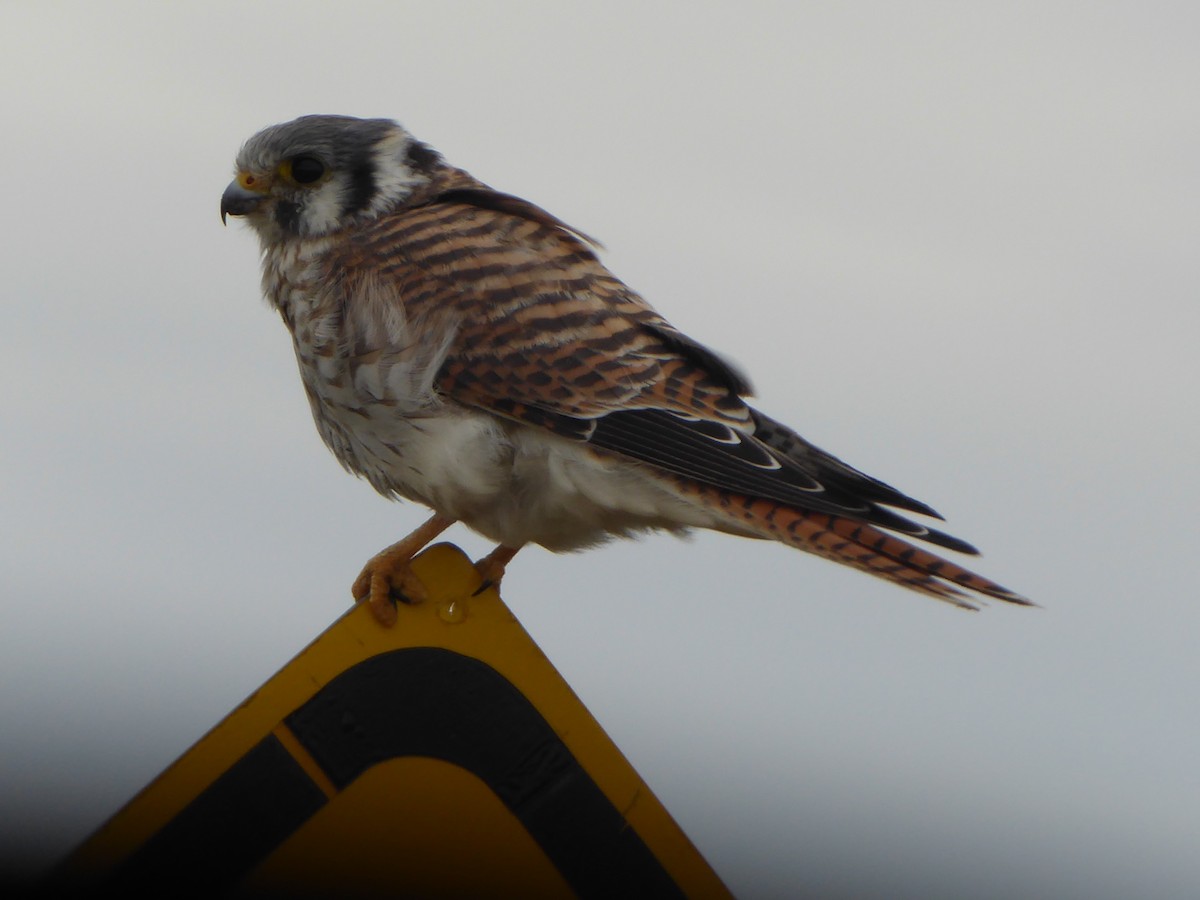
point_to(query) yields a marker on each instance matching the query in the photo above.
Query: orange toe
(492, 567)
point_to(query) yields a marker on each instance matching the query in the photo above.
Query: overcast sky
(954, 243)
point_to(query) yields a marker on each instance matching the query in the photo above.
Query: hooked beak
(238, 201)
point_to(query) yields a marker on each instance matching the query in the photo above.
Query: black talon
(397, 597)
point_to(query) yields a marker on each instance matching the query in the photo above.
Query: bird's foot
(491, 568)
(385, 581)
(388, 578)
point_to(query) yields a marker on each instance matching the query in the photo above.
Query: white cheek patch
(323, 207)
(393, 180)
(394, 177)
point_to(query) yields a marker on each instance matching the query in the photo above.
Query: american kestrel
(465, 349)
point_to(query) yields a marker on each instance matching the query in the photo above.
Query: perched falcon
(464, 348)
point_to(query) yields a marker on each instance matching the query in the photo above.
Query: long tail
(871, 550)
(856, 544)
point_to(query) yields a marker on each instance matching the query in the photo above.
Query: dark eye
(307, 169)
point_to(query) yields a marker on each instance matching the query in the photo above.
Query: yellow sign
(444, 757)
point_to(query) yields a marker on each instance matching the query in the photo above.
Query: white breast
(513, 483)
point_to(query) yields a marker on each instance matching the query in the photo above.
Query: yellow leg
(387, 576)
(491, 567)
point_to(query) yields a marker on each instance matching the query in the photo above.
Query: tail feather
(855, 544)
(917, 563)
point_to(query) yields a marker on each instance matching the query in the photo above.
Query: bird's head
(317, 174)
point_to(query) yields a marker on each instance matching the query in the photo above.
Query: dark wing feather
(830, 469)
(747, 465)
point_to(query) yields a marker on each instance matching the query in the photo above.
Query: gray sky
(953, 243)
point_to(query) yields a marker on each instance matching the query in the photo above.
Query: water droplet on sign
(453, 612)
